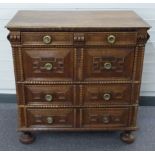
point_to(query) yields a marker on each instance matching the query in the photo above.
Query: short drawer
(110, 38)
(57, 95)
(107, 94)
(108, 63)
(104, 117)
(56, 118)
(46, 38)
(48, 64)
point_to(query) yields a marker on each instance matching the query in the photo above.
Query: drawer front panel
(108, 63)
(48, 63)
(104, 117)
(90, 38)
(110, 38)
(46, 38)
(58, 95)
(106, 94)
(51, 117)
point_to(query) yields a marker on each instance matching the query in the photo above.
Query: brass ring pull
(106, 96)
(48, 97)
(107, 65)
(111, 39)
(106, 119)
(50, 120)
(48, 66)
(47, 39)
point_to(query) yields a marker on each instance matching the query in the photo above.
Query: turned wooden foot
(27, 138)
(127, 137)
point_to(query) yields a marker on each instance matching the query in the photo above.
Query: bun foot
(127, 137)
(26, 138)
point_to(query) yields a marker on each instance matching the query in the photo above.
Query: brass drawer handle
(48, 97)
(48, 66)
(107, 65)
(47, 39)
(106, 119)
(106, 96)
(50, 120)
(111, 39)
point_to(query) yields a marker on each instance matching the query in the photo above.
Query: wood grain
(72, 19)
(91, 81)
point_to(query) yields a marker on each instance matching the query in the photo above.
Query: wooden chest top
(76, 19)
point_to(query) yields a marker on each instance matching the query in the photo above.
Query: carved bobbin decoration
(79, 38)
(14, 37)
(142, 38)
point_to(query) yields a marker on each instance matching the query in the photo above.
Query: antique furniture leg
(27, 138)
(127, 137)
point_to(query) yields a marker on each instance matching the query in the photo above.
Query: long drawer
(79, 118)
(69, 38)
(62, 64)
(86, 95)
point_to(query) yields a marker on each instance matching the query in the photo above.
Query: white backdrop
(7, 11)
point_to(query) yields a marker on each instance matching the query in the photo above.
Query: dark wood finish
(77, 74)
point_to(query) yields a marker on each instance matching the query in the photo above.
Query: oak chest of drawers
(77, 71)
